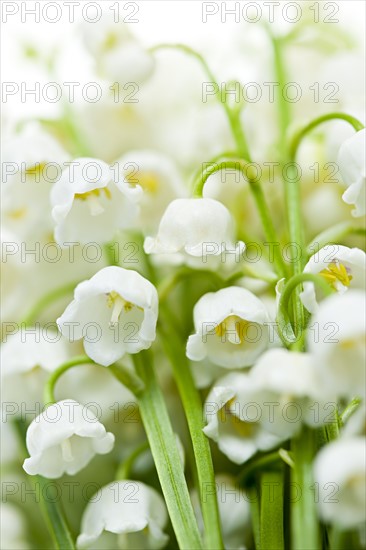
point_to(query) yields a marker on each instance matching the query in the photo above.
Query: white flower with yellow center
(232, 421)
(117, 53)
(126, 514)
(351, 162)
(63, 439)
(87, 206)
(115, 312)
(341, 267)
(155, 181)
(336, 338)
(198, 232)
(231, 328)
(339, 470)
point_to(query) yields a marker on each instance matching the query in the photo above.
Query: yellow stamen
(36, 169)
(92, 199)
(18, 214)
(336, 272)
(232, 329)
(243, 429)
(119, 304)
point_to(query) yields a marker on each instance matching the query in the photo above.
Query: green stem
(288, 335)
(333, 235)
(297, 139)
(255, 515)
(127, 377)
(46, 300)
(165, 453)
(193, 410)
(271, 534)
(304, 521)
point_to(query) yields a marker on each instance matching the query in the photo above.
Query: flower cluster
(163, 298)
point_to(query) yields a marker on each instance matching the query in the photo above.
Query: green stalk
(271, 533)
(193, 410)
(166, 457)
(305, 527)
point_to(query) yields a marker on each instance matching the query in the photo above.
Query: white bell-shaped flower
(198, 232)
(63, 439)
(352, 165)
(232, 418)
(339, 470)
(340, 266)
(118, 54)
(115, 312)
(131, 510)
(336, 338)
(231, 328)
(154, 179)
(87, 206)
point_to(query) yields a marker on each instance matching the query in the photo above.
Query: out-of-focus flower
(27, 358)
(118, 54)
(231, 328)
(198, 232)
(155, 180)
(339, 470)
(340, 266)
(131, 510)
(32, 161)
(87, 205)
(120, 306)
(63, 439)
(336, 339)
(351, 161)
(13, 529)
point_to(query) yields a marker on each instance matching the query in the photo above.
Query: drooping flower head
(352, 164)
(119, 307)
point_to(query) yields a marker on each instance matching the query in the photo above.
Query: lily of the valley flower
(339, 470)
(341, 267)
(257, 411)
(351, 161)
(131, 510)
(63, 439)
(87, 205)
(117, 53)
(231, 328)
(198, 232)
(121, 306)
(336, 339)
(154, 179)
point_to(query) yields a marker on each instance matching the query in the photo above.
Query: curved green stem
(46, 300)
(333, 235)
(125, 376)
(244, 167)
(167, 285)
(299, 136)
(192, 405)
(286, 331)
(166, 456)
